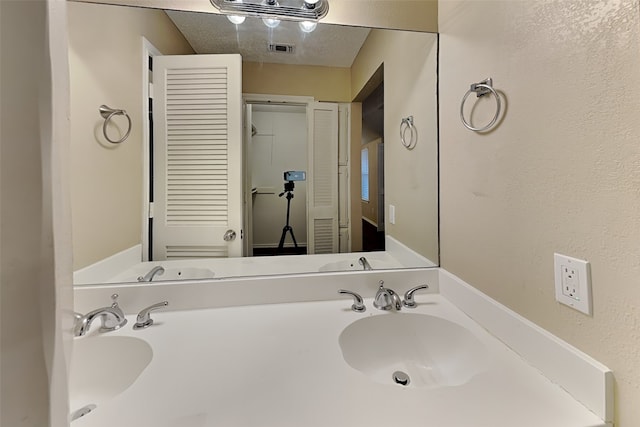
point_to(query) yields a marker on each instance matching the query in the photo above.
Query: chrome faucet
(364, 263)
(155, 271)
(409, 301)
(387, 299)
(358, 302)
(112, 319)
(144, 319)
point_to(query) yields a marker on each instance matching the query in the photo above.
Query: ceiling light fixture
(236, 19)
(307, 26)
(271, 22)
(304, 10)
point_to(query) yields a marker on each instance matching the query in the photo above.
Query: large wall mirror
(336, 103)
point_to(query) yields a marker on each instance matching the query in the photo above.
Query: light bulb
(236, 19)
(271, 22)
(307, 26)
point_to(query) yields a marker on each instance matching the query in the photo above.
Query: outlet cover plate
(573, 282)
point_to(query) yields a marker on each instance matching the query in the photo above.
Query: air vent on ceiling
(281, 47)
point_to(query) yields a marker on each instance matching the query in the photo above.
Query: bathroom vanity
(290, 351)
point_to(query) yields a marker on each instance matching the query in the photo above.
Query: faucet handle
(358, 304)
(144, 319)
(409, 302)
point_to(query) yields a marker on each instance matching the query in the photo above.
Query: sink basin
(430, 351)
(103, 367)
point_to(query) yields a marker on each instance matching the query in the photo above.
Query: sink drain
(401, 378)
(82, 412)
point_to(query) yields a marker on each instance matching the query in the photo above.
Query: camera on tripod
(290, 177)
(295, 176)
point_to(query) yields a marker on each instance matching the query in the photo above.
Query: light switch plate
(573, 282)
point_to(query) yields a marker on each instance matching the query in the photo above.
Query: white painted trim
(256, 98)
(405, 255)
(344, 127)
(147, 50)
(247, 180)
(587, 380)
(103, 270)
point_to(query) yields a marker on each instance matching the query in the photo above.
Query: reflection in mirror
(313, 101)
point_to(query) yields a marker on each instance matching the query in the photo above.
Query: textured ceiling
(328, 45)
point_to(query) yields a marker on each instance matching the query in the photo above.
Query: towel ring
(107, 114)
(480, 89)
(407, 124)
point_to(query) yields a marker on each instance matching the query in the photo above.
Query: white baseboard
(103, 270)
(587, 380)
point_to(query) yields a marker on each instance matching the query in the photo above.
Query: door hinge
(241, 234)
(151, 209)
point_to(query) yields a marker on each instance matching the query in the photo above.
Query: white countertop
(281, 365)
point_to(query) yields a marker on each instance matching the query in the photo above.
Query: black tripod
(288, 188)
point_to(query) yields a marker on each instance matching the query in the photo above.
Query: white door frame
(148, 50)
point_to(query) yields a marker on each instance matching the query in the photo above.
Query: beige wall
(419, 15)
(561, 173)
(329, 84)
(35, 263)
(411, 176)
(106, 68)
(22, 360)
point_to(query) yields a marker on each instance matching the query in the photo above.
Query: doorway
(372, 170)
(278, 144)
(309, 146)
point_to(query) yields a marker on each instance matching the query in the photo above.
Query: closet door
(197, 159)
(322, 197)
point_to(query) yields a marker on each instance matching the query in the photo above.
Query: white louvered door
(197, 156)
(322, 189)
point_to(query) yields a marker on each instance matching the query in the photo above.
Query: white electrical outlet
(573, 282)
(392, 214)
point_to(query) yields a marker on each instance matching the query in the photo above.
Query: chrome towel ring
(407, 124)
(107, 114)
(481, 89)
